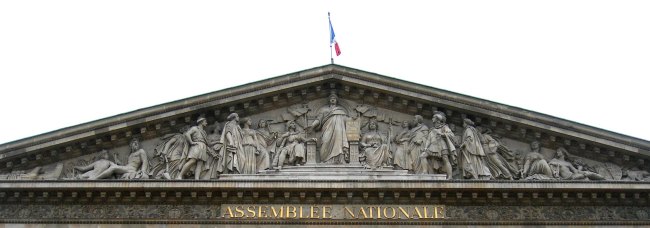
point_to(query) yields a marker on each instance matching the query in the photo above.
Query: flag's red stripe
(337, 49)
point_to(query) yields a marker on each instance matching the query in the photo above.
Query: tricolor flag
(332, 37)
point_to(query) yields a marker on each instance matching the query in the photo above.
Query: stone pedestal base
(333, 172)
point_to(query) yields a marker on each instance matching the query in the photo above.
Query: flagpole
(330, 27)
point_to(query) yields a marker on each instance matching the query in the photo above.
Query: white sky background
(64, 63)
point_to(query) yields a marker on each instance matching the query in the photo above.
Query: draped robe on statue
(418, 136)
(401, 157)
(331, 121)
(247, 158)
(173, 151)
(375, 149)
(438, 143)
(229, 161)
(267, 143)
(496, 160)
(214, 146)
(472, 157)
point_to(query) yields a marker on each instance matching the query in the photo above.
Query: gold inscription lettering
(350, 212)
(313, 212)
(327, 212)
(251, 212)
(239, 212)
(301, 213)
(417, 210)
(228, 212)
(275, 213)
(262, 213)
(392, 214)
(291, 210)
(363, 211)
(371, 209)
(440, 212)
(404, 212)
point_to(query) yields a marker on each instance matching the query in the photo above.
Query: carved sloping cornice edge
(495, 106)
(166, 107)
(326, 72)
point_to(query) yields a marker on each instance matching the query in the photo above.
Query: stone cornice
(243, 185)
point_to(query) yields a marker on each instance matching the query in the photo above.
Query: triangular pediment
(363, 94)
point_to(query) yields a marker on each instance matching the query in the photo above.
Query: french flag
(332, 37)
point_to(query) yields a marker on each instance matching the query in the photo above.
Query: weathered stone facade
(335, 136)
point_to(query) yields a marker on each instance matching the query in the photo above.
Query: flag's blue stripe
(331, 32)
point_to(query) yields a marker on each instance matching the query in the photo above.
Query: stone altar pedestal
(311, 153)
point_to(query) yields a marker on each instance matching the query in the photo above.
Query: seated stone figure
(375, 148)
(562, 169)
(92, 170)
(137, 165)
(535, 165)
(292, 147)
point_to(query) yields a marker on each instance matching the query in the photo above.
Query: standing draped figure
(214, 146)
(439, 150)
(498, 157)
(416, 144)
(401, 160)
(198, 154)
(173, 153)
(247, 157)
(334, 140)
(472, 157)
(266, 139)
(231, 138)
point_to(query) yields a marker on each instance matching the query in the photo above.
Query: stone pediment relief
(330, 120)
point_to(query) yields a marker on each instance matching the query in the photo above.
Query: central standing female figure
(334, 141)
(251, 149)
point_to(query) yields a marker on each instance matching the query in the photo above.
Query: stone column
(311, 153)
(354, 153)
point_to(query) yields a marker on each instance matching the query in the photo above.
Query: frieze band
(339, 132)
(219, 213)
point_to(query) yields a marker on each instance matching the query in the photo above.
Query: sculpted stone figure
(92, 170)
(248, 157)
(231, 138)
(472, 157)
(214, 145)
(334, 140)
(137, 165)
(497, 157)
(267, 139)
(439, 150)
(563, 169)
(198, 153)
(535, 165)
(173, 153)
(375, 147)
(418, 135)
(401, 159)
(636, 175)
(292, 147)
(38, 173)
